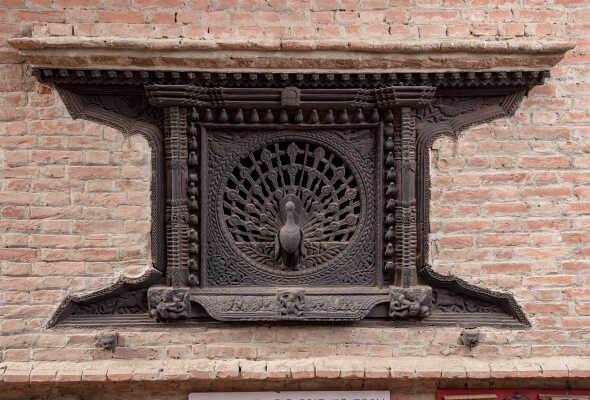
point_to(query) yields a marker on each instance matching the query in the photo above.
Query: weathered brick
(508, 209)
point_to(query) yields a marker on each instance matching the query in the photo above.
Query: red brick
(396, 16)
(570, 3)
(159, 3)
(85, 172)
(547, 308)
(431, 31)
(61, 355)
(576, 266)
(39, 16)
(504, 239)
(68, 4)
(550, 192)
(13, 3)
(544, 162)
(484, 29)
(576, 322)
(256, 4)
(577, 208)
(583, 308)
(512, 29)
(551, 280)
(478, 194)
(145, 353)
(546, 132)
(103, 254)
(8, 142)
(98, 226)
(130, 17)
(55, 156)
(58, 268)
(515, 177)
(576, 177)
(544, 253)
(457, 242)
(539, 29)
(576, 238)
(464, 254)
(55, 212)
(428, 16)
(459, 30)
(553, 224)
(16, 355)
(503, 162)
(506, 208)
(16, 254)
(67, 241)
(540, 15)
(578, 88)
(458, 226)
(130, 212)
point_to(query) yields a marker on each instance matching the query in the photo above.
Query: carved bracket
(168, 304)
(291, 302)
(413, 302)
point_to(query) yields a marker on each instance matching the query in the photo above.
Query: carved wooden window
(291, 196)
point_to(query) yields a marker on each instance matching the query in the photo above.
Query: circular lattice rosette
(313, 177)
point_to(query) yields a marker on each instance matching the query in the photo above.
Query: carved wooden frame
(407, 142)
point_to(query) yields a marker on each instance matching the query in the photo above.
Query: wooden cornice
(290, 55)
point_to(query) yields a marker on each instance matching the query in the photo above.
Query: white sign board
(328, 395)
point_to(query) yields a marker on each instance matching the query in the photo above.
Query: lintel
(290, 55)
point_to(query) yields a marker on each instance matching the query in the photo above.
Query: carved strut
(289, 246)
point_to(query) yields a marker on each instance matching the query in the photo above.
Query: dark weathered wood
(293, 196)
(176, 195)
(405, 207)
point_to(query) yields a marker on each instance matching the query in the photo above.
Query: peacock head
(289, 206)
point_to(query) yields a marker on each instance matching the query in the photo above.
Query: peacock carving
(289, 243)
(291, 205)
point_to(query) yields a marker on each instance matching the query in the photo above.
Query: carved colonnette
(176, 204)
(305, 196)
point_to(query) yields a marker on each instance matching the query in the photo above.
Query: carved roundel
(291, 205)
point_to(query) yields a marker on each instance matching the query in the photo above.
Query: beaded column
(405, 204)
(194, 199)
(176, 207)
(390, 193)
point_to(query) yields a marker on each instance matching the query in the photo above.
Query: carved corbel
(166, 304)
(291, 303)
(413, 302)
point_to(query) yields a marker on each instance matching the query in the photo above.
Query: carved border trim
(317, 304)
(360, 80)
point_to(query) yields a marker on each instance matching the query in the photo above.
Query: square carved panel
(291, 207)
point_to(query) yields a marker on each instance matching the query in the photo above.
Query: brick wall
(511, 199)
(299, 19)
